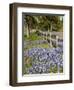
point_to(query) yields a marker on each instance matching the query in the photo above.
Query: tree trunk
(48, 28)
(28, 31)
(51, 27)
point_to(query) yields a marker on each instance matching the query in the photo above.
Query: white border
(66, 36)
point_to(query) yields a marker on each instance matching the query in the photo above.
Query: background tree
(47, 23)
(30, 22)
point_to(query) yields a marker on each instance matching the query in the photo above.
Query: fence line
(48, 36)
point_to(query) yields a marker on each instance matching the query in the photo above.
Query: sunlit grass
(32, 37)
(43, 45)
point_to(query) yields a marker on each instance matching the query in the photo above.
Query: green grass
(32, 37)
(55, 69)
(28, 64)
(44, 45)
(61, 69)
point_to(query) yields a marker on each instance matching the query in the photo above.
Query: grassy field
(33, 37)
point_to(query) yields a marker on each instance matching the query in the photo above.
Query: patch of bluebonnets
(45, 58)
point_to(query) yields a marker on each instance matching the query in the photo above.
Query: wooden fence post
(43, 36)
(46, 36)
(50, 39)
(57, 41)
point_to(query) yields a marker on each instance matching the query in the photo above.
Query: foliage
(44, 22)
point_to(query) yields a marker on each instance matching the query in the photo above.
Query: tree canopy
(44, 22)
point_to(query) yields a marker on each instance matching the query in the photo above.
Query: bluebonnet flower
(43, 59)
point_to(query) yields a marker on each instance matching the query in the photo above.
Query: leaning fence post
(57, 41)
(50, 40)
(46, 36)
(43, 36)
